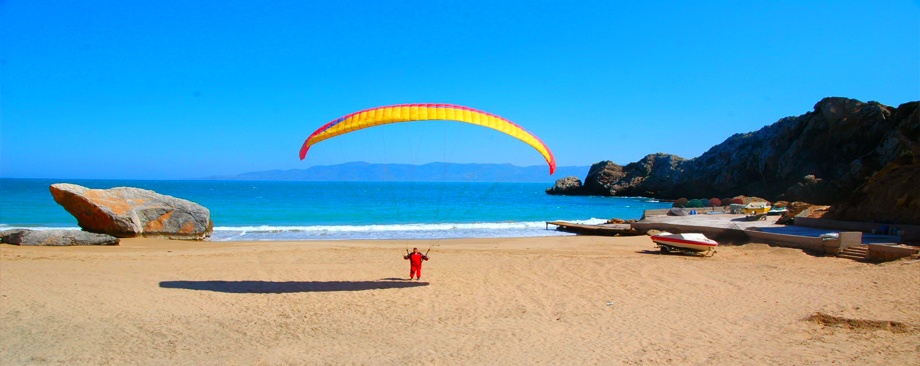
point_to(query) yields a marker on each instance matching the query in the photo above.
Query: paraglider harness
(424, 256)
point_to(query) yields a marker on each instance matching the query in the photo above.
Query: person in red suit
(415, 263)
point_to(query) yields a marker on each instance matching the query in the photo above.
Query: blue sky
(185, 89)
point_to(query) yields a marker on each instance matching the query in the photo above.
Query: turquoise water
(272, 210)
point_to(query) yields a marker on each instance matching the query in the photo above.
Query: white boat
(777, 211)
(690, 242)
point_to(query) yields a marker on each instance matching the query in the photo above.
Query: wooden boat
(757, 208)
(756, 211)
(688, 242)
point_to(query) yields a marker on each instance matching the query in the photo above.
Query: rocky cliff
(861, 158)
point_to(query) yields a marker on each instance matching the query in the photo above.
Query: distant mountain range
(433, 172)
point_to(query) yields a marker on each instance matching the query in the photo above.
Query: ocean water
(275, 210)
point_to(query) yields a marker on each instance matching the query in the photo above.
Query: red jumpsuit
(415, 264)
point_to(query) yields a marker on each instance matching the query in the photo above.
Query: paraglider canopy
(425, 112)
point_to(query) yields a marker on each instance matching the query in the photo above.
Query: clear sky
(186, 89)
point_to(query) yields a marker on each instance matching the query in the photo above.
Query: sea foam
(389, 232)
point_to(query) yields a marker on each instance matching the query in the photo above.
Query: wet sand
(556, 300)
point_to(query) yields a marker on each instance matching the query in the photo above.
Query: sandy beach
(555, 300)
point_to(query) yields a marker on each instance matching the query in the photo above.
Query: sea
(299, 210)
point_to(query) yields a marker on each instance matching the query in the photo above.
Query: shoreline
(583, 299)
(417, 231)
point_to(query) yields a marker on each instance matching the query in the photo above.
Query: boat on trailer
(693, 243)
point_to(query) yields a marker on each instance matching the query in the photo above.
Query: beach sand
(555, 300)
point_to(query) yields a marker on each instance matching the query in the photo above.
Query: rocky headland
(861, 158)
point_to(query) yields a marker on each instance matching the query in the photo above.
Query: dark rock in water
(567, 186)
(126, 212)
(648, 177)
(602, 176)
(55, 237)
(862, 157)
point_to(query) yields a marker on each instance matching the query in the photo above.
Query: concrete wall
(658, 212)
(884, 253)
(909, 233)
(844, 240)
(711, 232)
(849, 239)
(664, 211)
(807, 243)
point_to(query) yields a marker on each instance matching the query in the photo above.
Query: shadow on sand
(658, 252)
(274, 287)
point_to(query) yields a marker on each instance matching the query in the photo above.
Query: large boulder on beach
(55, 237)
(127, 212)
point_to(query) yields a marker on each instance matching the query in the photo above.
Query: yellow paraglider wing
(425, 112)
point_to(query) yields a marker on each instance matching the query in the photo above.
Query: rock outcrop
(892, 196)
(126, 212)
(858, 156)
(55, 237)
(567, 186)
(820, 157)
(649, 177)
